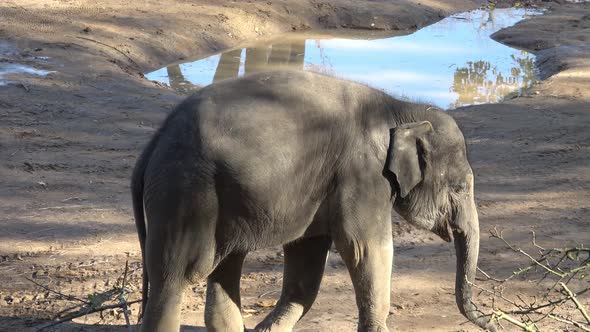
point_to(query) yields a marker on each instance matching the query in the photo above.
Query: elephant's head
(435, 191)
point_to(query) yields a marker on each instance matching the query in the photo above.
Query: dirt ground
(68, 143)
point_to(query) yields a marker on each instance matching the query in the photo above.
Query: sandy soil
(68, 143)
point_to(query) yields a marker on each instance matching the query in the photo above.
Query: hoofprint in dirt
(68, 142)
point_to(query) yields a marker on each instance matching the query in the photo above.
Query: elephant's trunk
(466, 236)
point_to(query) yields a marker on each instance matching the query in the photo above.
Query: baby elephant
(304, 161)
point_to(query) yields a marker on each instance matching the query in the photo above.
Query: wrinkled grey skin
(304, 161)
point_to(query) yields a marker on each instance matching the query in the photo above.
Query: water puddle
(9, 64)
(7, 69)
(451, 63)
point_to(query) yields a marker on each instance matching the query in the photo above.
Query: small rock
(399, 306)
(8, 299)
(266, 303)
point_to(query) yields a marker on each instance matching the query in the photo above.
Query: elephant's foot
(305, 260)
(222, 314)
(222, 307)
(282, 319)
(373, 327)
(163, 308)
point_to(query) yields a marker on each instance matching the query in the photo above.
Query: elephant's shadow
(18, 323)
(185, 328)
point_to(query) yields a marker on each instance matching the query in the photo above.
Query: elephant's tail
(137, 185)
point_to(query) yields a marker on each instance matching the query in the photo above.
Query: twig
(564, 264)
(69, 297)
(494, 279)
(24, 87)
(56, 316)
(85, 311)
(570, 322)
(572, 296)
(121, 297)
(498, 314)
(549, 303)
(495, 294)
(578, 269)
(111, 47)
(548, 312)
(498, 235)
(267, 293)
(534, 235)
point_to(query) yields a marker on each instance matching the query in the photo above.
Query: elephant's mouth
(441, 227)
(444, 229)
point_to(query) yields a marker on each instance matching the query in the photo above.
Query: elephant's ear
(403, 159)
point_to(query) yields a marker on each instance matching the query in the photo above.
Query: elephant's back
(278, 117)
(275, 114)
(264, 98)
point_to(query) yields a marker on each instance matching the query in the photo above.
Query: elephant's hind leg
(222, 309)
(180, 250)
(305, 260)
(163, 308)
(170, 271)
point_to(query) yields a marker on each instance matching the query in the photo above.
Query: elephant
(305, 161)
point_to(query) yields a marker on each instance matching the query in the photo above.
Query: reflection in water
(256, 59)
(177, 80)
(228, 66)
(233, 63)
(451, 63)
(480, 82)
(265, 58)
(8, 69)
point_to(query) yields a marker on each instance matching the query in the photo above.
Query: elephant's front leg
(367, 251)
(222, 308)
(305, 260)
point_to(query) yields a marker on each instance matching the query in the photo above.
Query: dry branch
(66, 296)
(84, 312)
(503, 316)
(563, 265)
(111, 47)
(572, 296)
(569, 322)
(117, 293)
(123, 300)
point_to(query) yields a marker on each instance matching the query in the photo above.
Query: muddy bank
(563, 58)
(68, 142)
(149, 35)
